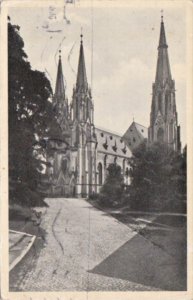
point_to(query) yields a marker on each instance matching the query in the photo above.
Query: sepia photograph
(97, 114)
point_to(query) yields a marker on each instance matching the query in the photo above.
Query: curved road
(79, 249)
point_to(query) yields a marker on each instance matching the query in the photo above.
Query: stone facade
(111, 148)
(79, 160)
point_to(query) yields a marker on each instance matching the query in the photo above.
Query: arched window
(105, 161)
(160, 135)
(77, 135)
(100, 170)
(168, 103)
(64, 165)
(88, 131)
(127, 172)
(171, 136)
(160, 102)
(124, 166)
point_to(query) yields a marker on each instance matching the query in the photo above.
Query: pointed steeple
(60, 88)
(163, 72)
(162, 39)
(81, 81)
(163, 118)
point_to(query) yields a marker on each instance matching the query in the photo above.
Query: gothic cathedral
(78, 161)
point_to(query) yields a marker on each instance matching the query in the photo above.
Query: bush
(26, 197)
(112, 193)
(94, 196)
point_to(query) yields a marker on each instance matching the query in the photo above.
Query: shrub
(112, 192)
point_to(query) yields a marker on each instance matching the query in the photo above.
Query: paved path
(78, 239)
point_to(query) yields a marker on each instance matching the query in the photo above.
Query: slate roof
(135, 134)
(111, 143)
(142, 130)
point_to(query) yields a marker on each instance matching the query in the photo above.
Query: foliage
(112, 192)
(94, 196)
(30, 119)
(158, 178)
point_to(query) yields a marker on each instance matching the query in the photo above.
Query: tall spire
(163, 72)
(162, 40)
(163, 118)
(81, 81)
(60, 89)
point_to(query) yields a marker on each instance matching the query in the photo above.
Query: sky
(120, 44)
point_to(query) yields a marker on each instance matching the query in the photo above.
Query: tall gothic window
(105, 161)
(77, 135)
(160, 102)
(76, 112)
(160, 135)
(171, 131)
(100, 170)
(124, 166)
(64, 165)
(168, 103)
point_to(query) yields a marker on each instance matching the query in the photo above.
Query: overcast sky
(125, 41)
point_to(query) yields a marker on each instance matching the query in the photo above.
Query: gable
(135, 135)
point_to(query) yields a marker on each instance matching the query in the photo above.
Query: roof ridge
(108, 131)
(140, 124)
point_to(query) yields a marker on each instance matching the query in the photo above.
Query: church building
(164, 126)
(78, 162)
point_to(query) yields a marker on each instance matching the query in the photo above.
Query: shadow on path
(141, 261)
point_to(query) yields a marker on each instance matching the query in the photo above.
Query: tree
(31, 120)
(178, 180)
(112, 191)
(157, 173)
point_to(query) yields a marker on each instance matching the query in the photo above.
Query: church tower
(82, 105)
(61, 169)
(164, 126)
(60, 101)
(83, 130)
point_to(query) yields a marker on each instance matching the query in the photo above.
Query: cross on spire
(162, 13)
(81, 81)
(81, 35)
(60, 88)
(163, 72)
